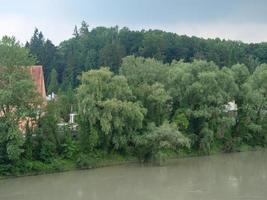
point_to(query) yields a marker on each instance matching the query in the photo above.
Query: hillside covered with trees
(101, 46)
(138, 94)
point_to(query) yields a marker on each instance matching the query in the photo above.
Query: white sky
(237, 19)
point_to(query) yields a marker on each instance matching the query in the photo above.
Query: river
(221, 177)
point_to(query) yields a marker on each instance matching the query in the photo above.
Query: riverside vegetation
(149, 101)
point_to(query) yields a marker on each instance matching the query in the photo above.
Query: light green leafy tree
(18, 97)
(156, 100)
(200, 91)
(107, 116)
(255, 107)
(146, 77)
(139, 70)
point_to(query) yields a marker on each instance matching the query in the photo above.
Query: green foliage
(254, 107)
(38, 167)
(111, 55)
(11, 140)
(47, 134)
(139, 70)
(65, 104)
(181, 121)
(150, 144)
(206, 139)
(53, 84)
(47, 150)
(156, 100)
(91, 49)
(70, 147)
(13, 55)
(18, 98)
(105, 110)
(44, 51)
(201, 90)
(146, 78)
(86, 161)
(163, 103)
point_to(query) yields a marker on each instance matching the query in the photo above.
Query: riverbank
(33, 168)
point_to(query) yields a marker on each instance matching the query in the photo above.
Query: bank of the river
(63, 165)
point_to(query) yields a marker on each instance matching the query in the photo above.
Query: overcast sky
(244, 20)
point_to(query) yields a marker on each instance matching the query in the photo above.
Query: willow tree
(200, 91)
(255, 107)
(147, 79)
(156, 100)
(18, 97)
(139, 70)
(108, 116)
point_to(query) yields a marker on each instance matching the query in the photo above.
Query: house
(37, 75)
(38, 78)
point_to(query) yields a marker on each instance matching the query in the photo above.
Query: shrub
(149, 146)
(84, 161)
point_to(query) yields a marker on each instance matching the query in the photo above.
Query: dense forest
(138, 94)
(101, 46)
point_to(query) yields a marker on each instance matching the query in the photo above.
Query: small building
(230, 107)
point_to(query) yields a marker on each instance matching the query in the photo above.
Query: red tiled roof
(38, 78)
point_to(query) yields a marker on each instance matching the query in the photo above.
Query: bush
(152, 144)
(47, 151)
(69, 148)
(37, 167)
(84, 161)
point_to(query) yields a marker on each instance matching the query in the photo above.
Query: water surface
(221, 177)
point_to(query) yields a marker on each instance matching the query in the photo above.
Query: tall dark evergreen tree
(53, 83)
(45, 52)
